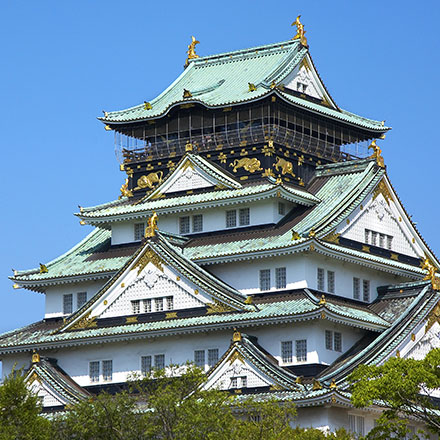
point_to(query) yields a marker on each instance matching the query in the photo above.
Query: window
(286, 351)
(389, 242)
(281, 208)
(366, 290)
(367, 236)
(356, 424)
(280, 277)
(356, 288)
(212, 356)
(244, 217)
(136, 306)
(145, 365)
(107, 370)
(94, 371)
(243, 381)
(328, 340)
(147, 306)
(139, 230)
(231, 218)
(331, 281)
(184, 225)
(81, 299)
(337, 341)
(68, 304)
(158, 304)
(378, 239)
(170, 302)
(265, 279)
(197, 221)
(199, 358)
(382, 240)
(301, 350)
(234, 382)
(159, 361)
(320, 278)
(301, 87)
(374, 238)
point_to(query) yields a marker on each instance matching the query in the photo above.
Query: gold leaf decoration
(332, 237)
(235, 356)
(217, 307)
(382, 188)
(85, 322)
(148, 257)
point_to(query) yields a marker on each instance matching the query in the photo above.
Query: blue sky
(65, 62)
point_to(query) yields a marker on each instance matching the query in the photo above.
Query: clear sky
(63, 62)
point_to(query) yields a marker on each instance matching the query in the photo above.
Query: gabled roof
(222, 80)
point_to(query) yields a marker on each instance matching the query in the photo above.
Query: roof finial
(125, 192)
(150, 230)
(236, 337)
(43, 268)
(376, 153)
(35, 357)
(192, 50)
(300, 32)
(431, 275)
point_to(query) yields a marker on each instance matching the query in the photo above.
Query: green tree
(20, 411)
(403, 386)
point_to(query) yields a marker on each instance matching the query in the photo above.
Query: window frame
(138, 235)
(244, 217)
(187, 229)
(231, 218)
(70, 304)
(301, 356)
(320, 279)
(265, 282)
(280, 277)
(287, 352)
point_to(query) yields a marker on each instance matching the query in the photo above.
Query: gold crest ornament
(300, 32)
(150, 230)
(43, 268)
(125, 192)
(376, 154)
(192, 50)
(431, 275)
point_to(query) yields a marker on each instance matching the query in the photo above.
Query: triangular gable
(246, 365)
(158, 278)
(52, 386)
(192, 173)
(304, 79)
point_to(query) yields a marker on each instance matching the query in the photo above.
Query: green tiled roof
(222, 80)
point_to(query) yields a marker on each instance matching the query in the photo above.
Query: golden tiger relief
(247, 163)
(286, 167)
(150, 180)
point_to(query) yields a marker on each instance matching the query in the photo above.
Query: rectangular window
(286, 352)
(81, 299)
(356, 288)
(68, 304)
(265, 279)
(234, 382)
(145, 365)
(243, 381)
(280, 277)
(244, 217)
(136, 306)
(231, 218)
(281, 208)
(197, 223)
(159, 361)
(366, 290)
(382, 240)
(356, 424)
(199, 358)
(184, 225)
(170, 302)
(328, 340)
(107, 370)
(139, 230)
(147, 306)
(374, 238)
(331, 281)
(320, 279)
(389, 242)
(212, 356)
(301, 350)
(158, 304)
(94, 371)
(367, 236)
(337, 341)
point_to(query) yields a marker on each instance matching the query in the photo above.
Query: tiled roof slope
(222, 80)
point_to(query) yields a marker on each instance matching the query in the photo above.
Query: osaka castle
(256, 233)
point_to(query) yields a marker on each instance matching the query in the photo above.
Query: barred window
(243, 381)
(281, 208)
(286, 351)
(212, 356)
(356, 288)
(389, 242)
(199, 358)
(301, 350)
(184, 225)
(94, 371)
(329, 340)
(234, 382)
(170, 302)
(159, 361)
(366, 290)
(231, 218)
(356, 424)
(136, 306)
(280, 277)
(107, 370)
(244, 217)
(68, 304)
(331, 281)
(374, 238)
(81, 299)
(158, 304)
(197, 223)
(382, 240)
(320, 278)
(145, 365)
(265, 279)
(338, 341)
(367, 236)
(147, 306)
(139, 230)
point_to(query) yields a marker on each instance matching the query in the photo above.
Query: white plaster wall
(123, 232)
(54, 296)
(16, 360)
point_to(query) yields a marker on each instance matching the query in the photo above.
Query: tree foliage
(403, 386)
